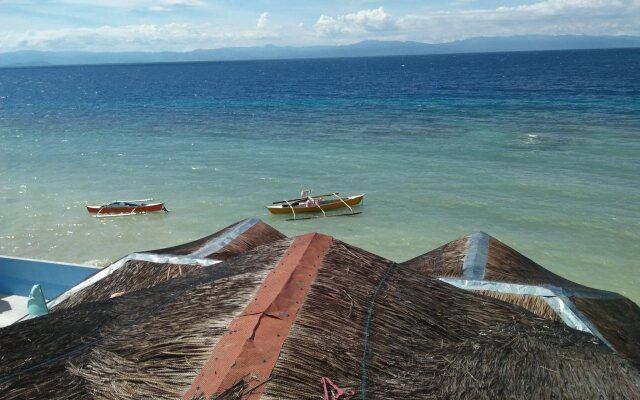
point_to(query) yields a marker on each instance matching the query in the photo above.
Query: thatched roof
(228, 242)
(482, 263)
(271, 321)
(143, 270)
(146, 343)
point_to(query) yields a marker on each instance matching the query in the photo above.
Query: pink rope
(336, 392)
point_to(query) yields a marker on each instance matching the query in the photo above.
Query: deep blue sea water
(540, 149)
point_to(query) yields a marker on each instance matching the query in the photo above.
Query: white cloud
(588, 17)
(180, 3)
(169, 5)
(263, 20)
(145, 37)
(554, 7)
(109, 4)
(363, 21)
(578, 17)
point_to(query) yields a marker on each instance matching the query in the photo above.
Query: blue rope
(365, 347)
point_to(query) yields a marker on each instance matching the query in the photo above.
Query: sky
(185, 25)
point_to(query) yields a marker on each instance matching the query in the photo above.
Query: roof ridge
(253, 341)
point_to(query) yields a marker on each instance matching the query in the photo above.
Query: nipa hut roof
(278, 319)
(482, 263)
(146, 269)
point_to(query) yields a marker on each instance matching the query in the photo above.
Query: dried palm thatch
(502, 264)
(190, 247)
(238, 391)
(535, 304)
(497, 262)
(446, 260)
(246, 235)
(388, 331)
(398, 334)
(147, 343)
(133, 275)
(505, 264)
(622, 333)
(258, 234)
(256, 336)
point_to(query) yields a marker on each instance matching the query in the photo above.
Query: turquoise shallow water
(541, 150)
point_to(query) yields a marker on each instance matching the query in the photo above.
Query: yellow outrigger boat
(297, 206)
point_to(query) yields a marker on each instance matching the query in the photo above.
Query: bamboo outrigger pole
(323, 213)
(290, 206)
(345, 203)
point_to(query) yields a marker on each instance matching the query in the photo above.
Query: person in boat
(311, 202)
(298, 202)
(304, 194)
(306, 200)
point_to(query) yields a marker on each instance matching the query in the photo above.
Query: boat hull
(125, 209)
(326, 206)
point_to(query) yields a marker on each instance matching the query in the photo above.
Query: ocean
(538, 149)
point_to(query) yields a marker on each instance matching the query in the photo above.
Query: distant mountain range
(368, 48)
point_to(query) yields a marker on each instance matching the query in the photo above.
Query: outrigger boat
(126, 207)
(299, 206)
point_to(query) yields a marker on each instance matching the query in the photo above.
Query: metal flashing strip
(475, 260)
(569, 309)
(535, 290)
(155, 258)
(218, 243)
(502, 287)
(554, 296)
